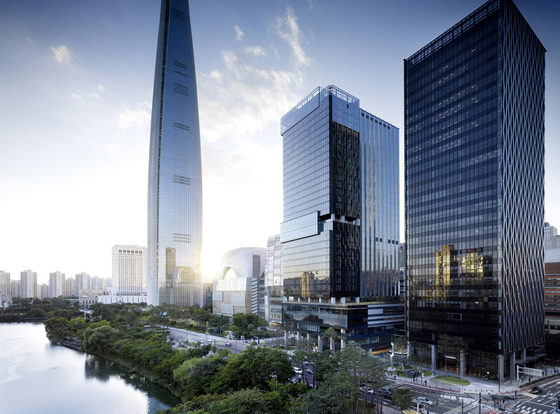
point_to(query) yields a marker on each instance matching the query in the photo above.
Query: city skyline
(75, 109)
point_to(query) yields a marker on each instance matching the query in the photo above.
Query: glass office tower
(175, 176)
(474, 160)
(340, 231)
(379, 219)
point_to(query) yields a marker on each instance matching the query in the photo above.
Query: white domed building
(239, 281)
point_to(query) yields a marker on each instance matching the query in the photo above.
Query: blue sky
(75, 95)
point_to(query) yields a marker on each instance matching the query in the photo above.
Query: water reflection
(103, 370)
(41, 378)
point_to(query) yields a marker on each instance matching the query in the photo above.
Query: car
(422, 402)
(413, 373)
(425, 401)
(536, 390)
(386, 392)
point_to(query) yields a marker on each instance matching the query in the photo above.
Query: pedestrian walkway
(476, 386)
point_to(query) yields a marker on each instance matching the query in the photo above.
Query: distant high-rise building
(57, 284)
(129, 269)
(83, 282)
(28, 288)
(15, 288)
(175, 174)
(474, 182)
(99, 283)
(340, 231)
(70, 287)
(550, 237)
(5, 283)
(43, 291)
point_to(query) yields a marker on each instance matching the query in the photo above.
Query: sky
(76, 82)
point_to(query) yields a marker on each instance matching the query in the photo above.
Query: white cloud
(239, 35)
(288, 30)
(139, 116)
(62, 55)
(254, 50)
(96, 93)
(240, 107)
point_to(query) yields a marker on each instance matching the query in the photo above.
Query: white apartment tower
(57, 284)
(5, 283)
(83, 282)
(28, 285)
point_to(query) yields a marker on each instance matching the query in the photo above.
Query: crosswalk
(534, 410)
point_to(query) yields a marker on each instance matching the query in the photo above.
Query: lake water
(37, 377)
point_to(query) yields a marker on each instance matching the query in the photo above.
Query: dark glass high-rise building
(340, 231)
(474, 160)
(175, 176)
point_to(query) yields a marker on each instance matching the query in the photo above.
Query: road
(544, 403)
(220, 342)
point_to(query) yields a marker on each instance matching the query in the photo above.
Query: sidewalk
(476, 386)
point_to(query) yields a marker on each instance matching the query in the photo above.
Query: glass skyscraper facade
(320, 234)
(474, 182)
(175, 175)
(379, 219)
(341, 204)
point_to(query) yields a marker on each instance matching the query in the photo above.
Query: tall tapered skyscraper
(175, 176)
(474, 157)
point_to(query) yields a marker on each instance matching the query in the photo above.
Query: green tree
(245, 401)
(218, 321)
(201, 316)
(77, 327)
(254, 367)
(333, 336)
(402, 398)
(99, 340)
(400, 344)
(57, 329)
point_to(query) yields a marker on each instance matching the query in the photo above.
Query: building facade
(15, 288)
(550, 237)
(552, 290)
(175, 175)
(43, 291)
(339, 239)
(474, 182)
(57, 283)
(238, 282)
(28, 286)
(129, 269)
(5, 283)
(70, 287)
(273, 281)
(83, 282)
